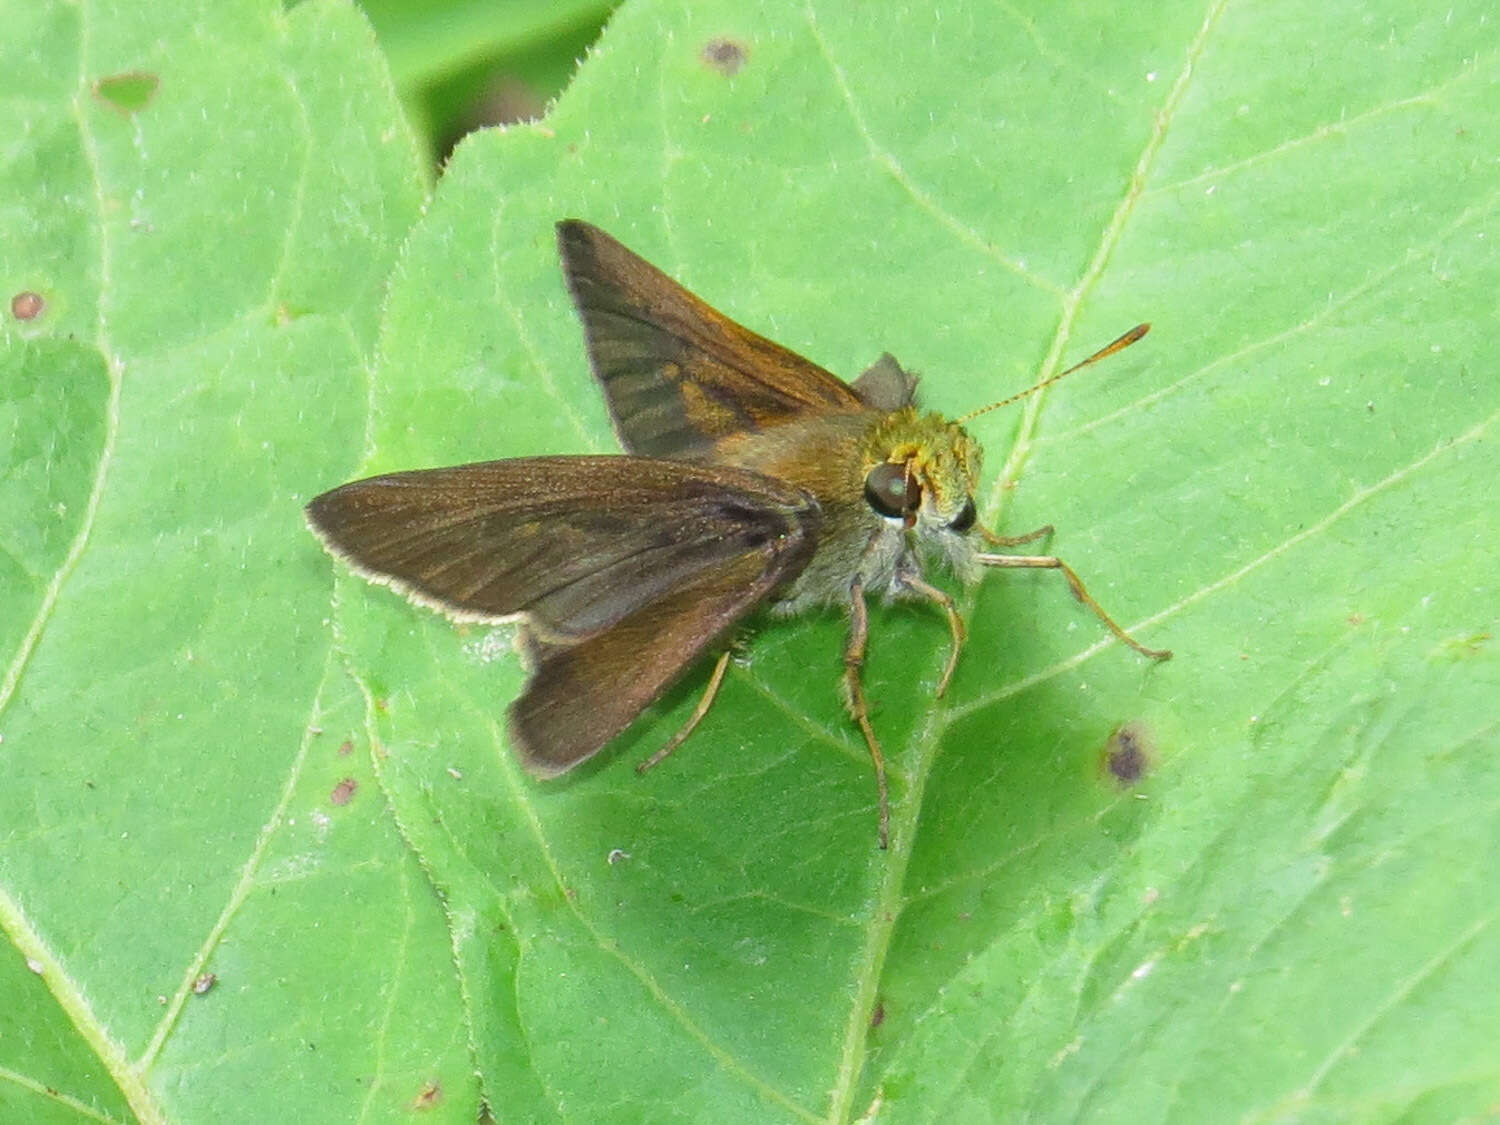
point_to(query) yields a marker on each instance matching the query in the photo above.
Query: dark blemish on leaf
(204, 983)
(346, 748)
(877, 1017)
(428, 1096)
(1128, 753)
(344, 791)
(726, 56)
(27, 305)
(128, 93)
(617, 855)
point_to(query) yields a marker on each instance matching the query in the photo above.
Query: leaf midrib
(922, 750)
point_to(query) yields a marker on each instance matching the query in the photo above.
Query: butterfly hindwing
(582, 695)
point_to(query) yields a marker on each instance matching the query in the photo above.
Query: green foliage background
(252, 294)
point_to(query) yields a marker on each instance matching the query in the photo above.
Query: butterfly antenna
(1108, 350)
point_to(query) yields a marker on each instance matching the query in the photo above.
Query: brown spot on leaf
(27, 305)
(1464, 645)
(725, 55)
(877, 1017)
(428, 1096)
(203, 983)
(346, 748)
(129, 92)
(344, 791)
(1128, 753)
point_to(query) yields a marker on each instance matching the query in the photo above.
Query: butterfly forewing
(576, 544)
(678, 374)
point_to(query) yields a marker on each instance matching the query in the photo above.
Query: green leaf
(211, 261)
(459, 64)
(427, 40)
(1289, 915)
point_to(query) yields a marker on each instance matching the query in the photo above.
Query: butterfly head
(922, 469)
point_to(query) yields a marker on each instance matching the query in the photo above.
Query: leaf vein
(528, 345)
(669, 1004)
(883, 158)
(1368, 285)
(243, 885)
(1359, 498)
(1390, 1003)
(1428, 97)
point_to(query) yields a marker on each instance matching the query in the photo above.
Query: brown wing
(576, 544)
(676, 373)
(581, 696)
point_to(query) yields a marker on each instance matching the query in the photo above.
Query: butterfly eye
(892, 491)
(966, 516)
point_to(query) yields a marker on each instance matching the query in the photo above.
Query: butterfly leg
(1014, 540)
(854, 662)
(710, 693)
(917, 585)
(1051, 562)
